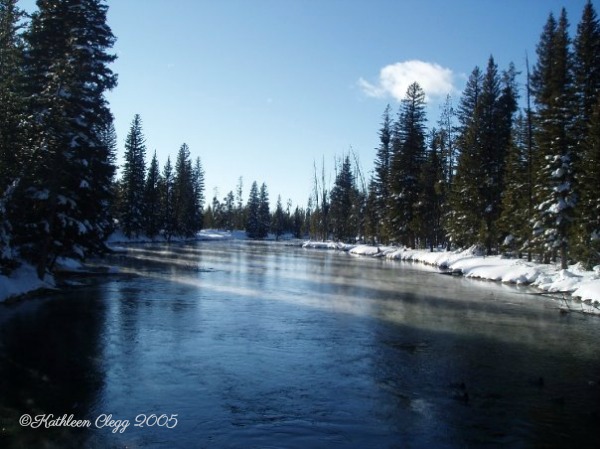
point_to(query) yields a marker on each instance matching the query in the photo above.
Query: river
(260, 345)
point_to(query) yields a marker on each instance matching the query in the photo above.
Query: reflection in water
(260, 345)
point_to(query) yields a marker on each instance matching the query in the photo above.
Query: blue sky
(264, 88)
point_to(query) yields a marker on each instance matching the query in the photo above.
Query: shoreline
(582, 286)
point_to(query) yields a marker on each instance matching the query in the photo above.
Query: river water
(248, 345)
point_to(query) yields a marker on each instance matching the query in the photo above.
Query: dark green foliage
(553, 90)
(407, 158)
(167, 200)
(279, 220)
(133, 180)
(264, 215)
(66, 191)
(344, 204)
(253, 221)
(152, 212)
(380, 183)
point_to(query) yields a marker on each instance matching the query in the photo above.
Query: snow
(23, 280)
(549, 278)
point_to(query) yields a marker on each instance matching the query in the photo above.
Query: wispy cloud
(394, 79)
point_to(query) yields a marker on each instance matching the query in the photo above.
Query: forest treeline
(524, 181)
(515, 179)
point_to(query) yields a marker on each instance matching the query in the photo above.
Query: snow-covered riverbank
(576, 282)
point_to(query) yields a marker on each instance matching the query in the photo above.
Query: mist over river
(236, 344)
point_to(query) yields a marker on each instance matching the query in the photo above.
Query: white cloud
(394, 79)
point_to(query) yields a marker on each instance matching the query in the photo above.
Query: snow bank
(575, 281)
(23, 280)
(328, 245)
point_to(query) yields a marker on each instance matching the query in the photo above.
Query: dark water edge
(258, 346)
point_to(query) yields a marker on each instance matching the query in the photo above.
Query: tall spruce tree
(407, 158)
(465, 199)
(133, 180)
(167, 200)
(13, 110)
(380, 181)
(253, 207)
(343, 211)
(184, 195)
(264, 214)
(587, 91)
(554, 190)
(152, 210)
(68, 182)
(198, 182)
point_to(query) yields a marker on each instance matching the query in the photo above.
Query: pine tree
(12, 94)
(587, 91)
(513, 223)
(278, 225)
(589, 180)
(343, 203)
(264, 214)
(198, 181)
(407, 158)
(152, 210)
(552, 85)
(167, 201)
(463, 219)
(380, 182)
(253, 206)
(133, 180)
(184, 200)
(13, 111)
(65, 193)
(431, 194)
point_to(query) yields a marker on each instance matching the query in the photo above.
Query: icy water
(242, 345)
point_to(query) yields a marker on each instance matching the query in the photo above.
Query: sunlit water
(267, 346)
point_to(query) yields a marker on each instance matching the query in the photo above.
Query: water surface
(265, 346)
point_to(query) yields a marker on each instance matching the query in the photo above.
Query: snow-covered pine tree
(13, 112)
(264, 213)
(152, 210)
(552, 86)
(253, 206)
(133, 180)
(407, 159)
(67, 185)
(465, 201)
(587, 91)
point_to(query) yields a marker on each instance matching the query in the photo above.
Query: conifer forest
(512, 167)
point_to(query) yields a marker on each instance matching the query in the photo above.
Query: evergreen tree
(12, 119)
(514, 220)
(184, 195)
(587, 90)
(65, 193)
(380, 182)
(343, 203)
(167, 200)
(152, 212)
(463, 219)
(279, 224)
(552, 85)
(12, 94)
(264, 214)
(133, 180)
(589, 251)
(253, 221)
(198, 181)
(407, 158)
(431, 194)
